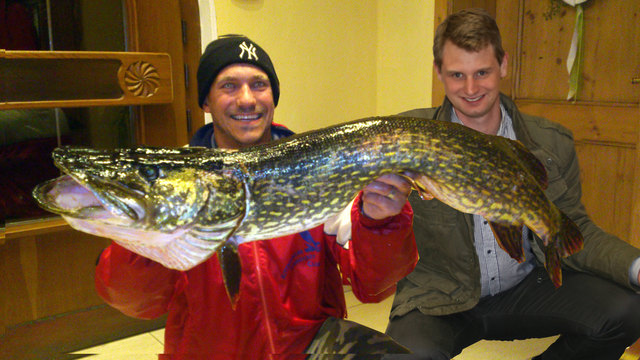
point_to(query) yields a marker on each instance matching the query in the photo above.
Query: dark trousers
(596, 318)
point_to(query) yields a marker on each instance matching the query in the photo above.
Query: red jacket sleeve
(380, 253)
(133, 284)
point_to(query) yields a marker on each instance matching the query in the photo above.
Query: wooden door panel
(37, 285)
(606, 185)
(611, 36)
(96, 78)
(603, 124)
(604, 119)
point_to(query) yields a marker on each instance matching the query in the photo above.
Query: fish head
(160, 190)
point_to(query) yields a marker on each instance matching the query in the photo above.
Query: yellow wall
(339, 60)
(405, 60)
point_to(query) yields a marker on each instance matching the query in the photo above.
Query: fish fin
(568, 241)
(571, 237)
(231, 270)
(420, 183)
(510, 239)
(552, 265)
(530, 162)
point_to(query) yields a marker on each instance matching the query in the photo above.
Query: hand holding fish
(385, 196)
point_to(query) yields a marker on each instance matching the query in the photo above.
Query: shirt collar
(506, 124)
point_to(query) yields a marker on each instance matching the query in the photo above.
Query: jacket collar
(277, 132)
(522, 134)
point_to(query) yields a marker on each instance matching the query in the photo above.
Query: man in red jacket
(291, 285)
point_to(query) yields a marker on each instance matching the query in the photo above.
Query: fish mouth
(90, 198)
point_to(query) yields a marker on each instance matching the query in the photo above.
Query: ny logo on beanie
(251, 51)
(228, 50)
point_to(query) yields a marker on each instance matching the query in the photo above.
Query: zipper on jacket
(263, 297)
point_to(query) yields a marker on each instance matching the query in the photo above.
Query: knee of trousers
(624, 319)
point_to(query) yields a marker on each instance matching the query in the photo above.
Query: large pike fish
(180, 205)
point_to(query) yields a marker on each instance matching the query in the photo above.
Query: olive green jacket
(447, 277)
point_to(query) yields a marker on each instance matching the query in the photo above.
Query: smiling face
(472, 83)
(241, 104)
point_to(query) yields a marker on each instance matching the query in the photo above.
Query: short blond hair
(469, 29)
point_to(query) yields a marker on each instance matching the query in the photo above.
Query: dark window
(27, 136)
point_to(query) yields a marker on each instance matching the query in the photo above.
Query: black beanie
(231, 49)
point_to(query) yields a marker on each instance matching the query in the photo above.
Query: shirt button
(488, 251)
(493, 278)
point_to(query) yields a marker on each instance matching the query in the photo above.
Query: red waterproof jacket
(289, 286)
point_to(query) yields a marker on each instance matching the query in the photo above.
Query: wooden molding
(589, 122)
(31, 228)
(83, 78)
(634, 234)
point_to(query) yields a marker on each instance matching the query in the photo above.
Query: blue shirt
(498, 270)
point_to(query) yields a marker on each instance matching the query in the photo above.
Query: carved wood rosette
(37, 79)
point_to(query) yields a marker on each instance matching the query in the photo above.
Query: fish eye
(149, 172)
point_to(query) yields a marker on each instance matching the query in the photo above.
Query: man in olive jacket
(465, 287)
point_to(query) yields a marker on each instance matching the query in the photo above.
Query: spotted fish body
(178, 206)
(475, 173)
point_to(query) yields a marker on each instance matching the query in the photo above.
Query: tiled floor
(146, 346)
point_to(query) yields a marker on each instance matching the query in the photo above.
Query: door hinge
(186, 76)
(184, 32)
(189, 121)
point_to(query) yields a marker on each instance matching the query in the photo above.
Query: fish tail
(552, 265)
(570, 236)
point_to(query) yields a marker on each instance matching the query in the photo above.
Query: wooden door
(48, 303)
(604, 118)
